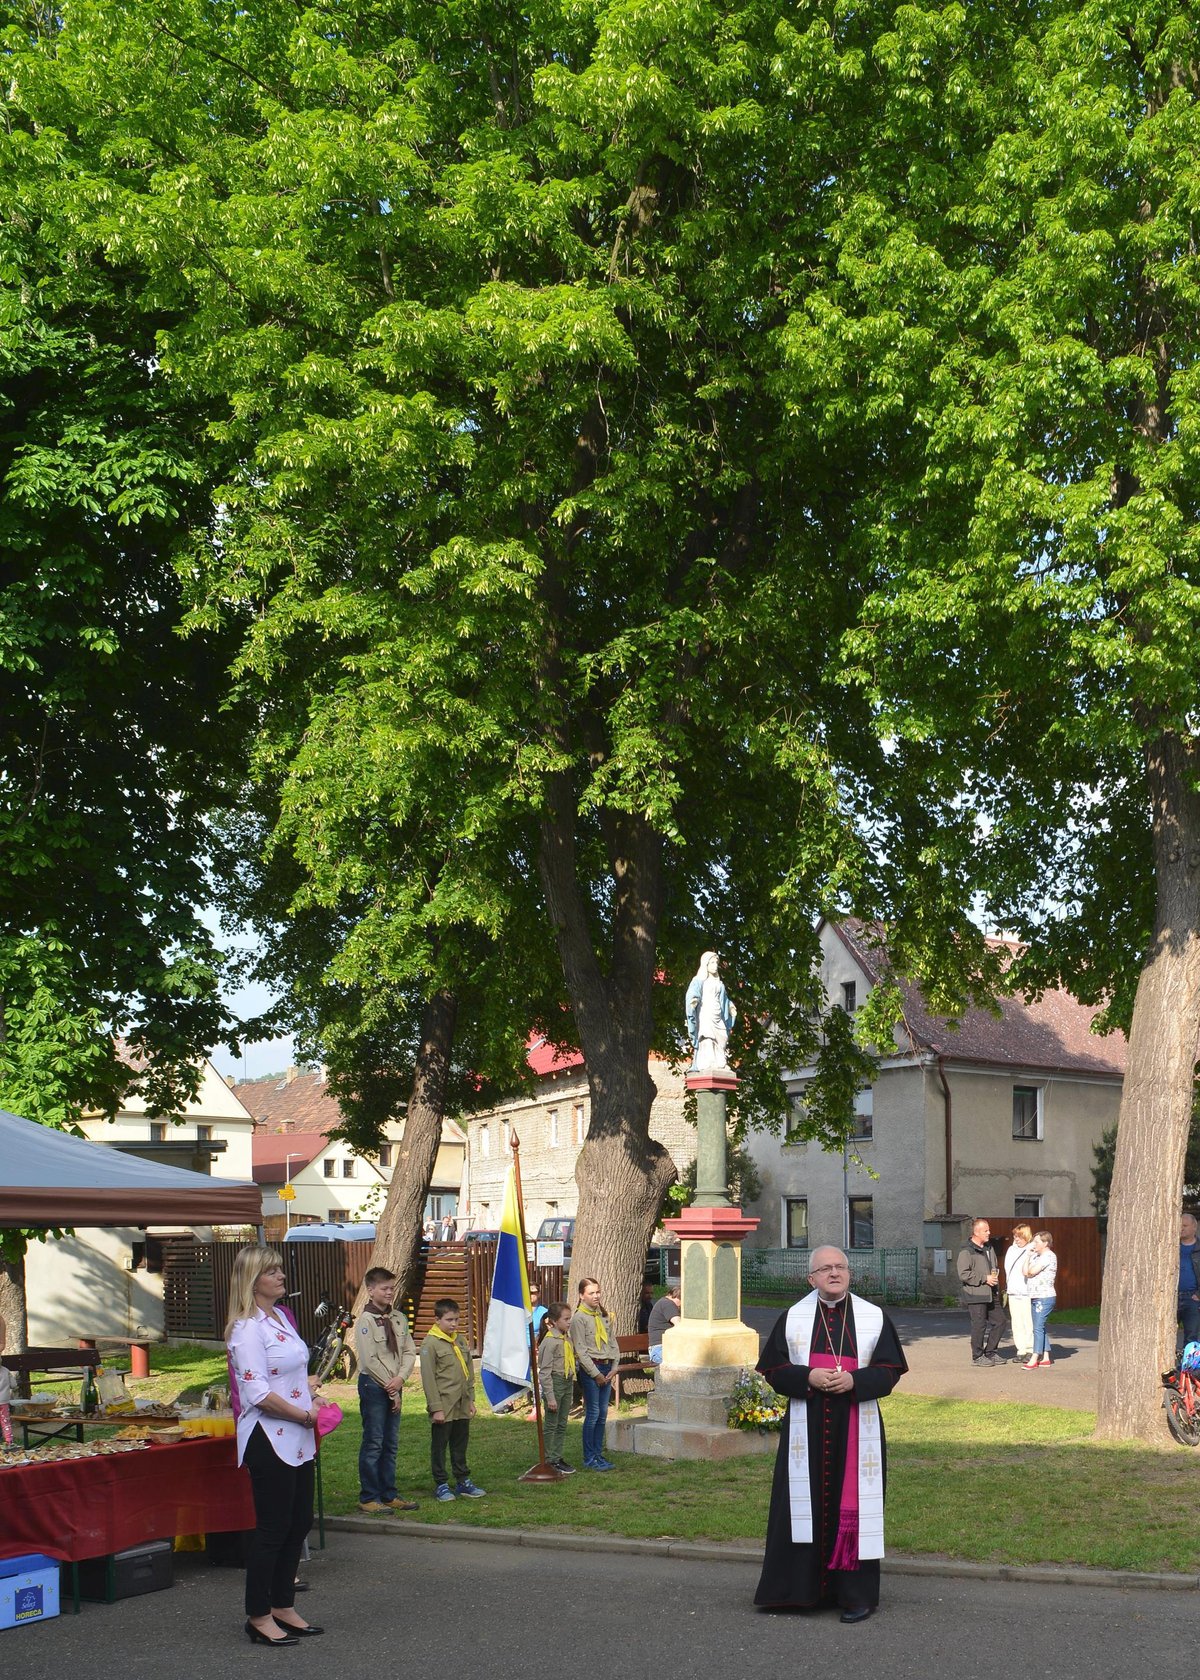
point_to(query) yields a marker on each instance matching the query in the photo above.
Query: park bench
(633, 1360)
(49, 1363)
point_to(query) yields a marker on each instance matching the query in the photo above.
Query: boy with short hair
(386, 1354)
(556, 1371)
(449, 1383)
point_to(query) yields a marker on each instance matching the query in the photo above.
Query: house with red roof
(331, 1183)
(997, 1111)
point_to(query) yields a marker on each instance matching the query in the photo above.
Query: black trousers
(454, 1435)
(987, 1317)
(283, 1514)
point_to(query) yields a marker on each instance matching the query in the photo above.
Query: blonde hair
(1020, 1226)
(249, 1264)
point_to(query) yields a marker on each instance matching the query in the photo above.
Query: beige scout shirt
(583, 1340)
(372, 1352)
(447, 1389)
(552, 1362)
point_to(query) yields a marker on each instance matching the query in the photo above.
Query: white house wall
(82, 1286)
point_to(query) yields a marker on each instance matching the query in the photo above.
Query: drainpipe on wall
(948, 1135)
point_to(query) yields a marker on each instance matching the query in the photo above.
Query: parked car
(558, 1230)
(359, 1232)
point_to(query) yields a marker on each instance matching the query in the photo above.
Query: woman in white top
(276, 1441)
(1041, 1269)
(1018, 1290)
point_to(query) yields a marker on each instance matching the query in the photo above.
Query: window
(348, 1166)
(860, 1222)
(485, 1140)
(1027, 1113)
(1027, 1207)
(580, 1130)
(795, 1222)
(158, 1131)
(204, 1134)
(338, 1216)
(331, 1169)
(849, 996)
(552, 1128)
(504, 1129)
(864, 1114)
(385, 1154)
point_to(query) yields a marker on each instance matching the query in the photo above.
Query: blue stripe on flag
(504, 1368)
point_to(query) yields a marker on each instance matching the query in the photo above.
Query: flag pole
(541, 1471)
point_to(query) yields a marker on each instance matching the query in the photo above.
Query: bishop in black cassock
(815, 1356)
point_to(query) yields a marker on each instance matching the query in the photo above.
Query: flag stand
(541, 1472)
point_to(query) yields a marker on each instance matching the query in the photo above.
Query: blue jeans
(1040, 1309)
(595, 1411)
(1188, 1314)
(380, 1439)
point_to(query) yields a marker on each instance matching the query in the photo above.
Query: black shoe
(301, 1586)
(257, 1637)
(859, 1615)
(996, 1359)
(979, 1359)
(561, 1464)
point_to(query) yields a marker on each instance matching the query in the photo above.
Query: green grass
(982, 1482)
(994, 1482)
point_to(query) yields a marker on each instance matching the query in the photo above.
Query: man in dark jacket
(979, 1279)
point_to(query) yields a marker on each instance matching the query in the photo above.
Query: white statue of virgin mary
(709, 1014)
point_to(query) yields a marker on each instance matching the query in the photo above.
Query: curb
(698, 1551)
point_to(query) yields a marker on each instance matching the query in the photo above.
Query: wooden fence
(1077, 1245)
(196, 1284)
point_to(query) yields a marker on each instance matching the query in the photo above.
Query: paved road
(394, 1605)
(938, 1351)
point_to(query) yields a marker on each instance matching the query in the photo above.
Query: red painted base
(542, 1472)
(712, 1079)
(712, 1224)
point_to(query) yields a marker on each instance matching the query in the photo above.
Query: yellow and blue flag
(504, 1368)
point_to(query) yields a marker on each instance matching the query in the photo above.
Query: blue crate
(28, 1590)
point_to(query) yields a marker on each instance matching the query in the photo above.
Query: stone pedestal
(708, 1345)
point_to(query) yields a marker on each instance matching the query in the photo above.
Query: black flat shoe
(301, 1586)
(257, 1637)
(859, 1615)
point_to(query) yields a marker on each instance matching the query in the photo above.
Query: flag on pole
(505, 1364)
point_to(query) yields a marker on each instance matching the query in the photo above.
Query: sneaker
(401, 1504)
(369, 1507)
(468, 1490)
(997, 1359)
(561, 1464)
(605, 1464)
(597, 1464)
(442, 1492)
(979, 1359)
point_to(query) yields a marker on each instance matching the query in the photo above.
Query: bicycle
(1181, 1397)
(332, 1355)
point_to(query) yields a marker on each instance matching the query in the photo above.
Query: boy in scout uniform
(386, 1354)
(449, 1383)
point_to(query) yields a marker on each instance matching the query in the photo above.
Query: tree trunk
(622, 1174)
(398, 1231)
(1137, 1319)
(12, 1311)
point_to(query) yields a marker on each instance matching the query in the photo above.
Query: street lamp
(295, 1155)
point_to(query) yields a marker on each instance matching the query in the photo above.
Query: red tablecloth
(88, 1507)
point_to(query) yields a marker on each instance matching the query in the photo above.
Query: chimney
(291, 1075)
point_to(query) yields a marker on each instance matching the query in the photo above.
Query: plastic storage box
(28, 1590)
(142, 1569)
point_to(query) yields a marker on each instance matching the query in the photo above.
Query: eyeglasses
(838, 1268)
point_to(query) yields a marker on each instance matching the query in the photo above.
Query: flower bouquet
(752, 1405)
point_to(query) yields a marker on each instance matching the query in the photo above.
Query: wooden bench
(633, 1360)
(50, 1362)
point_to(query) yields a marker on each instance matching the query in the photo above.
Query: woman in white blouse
(1018, 1290)
(276, 1441)
(1041, 1270)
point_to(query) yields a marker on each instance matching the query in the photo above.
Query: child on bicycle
(386, 1354)
(448, 1379)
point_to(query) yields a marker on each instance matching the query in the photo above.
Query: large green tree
(1014, 295)
(111, 748)
(495, 307)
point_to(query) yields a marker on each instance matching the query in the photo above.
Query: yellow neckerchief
(453, 1340)
(601, 1326)
(568, 1352)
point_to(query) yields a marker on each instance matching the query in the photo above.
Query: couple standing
(1030, 1271)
